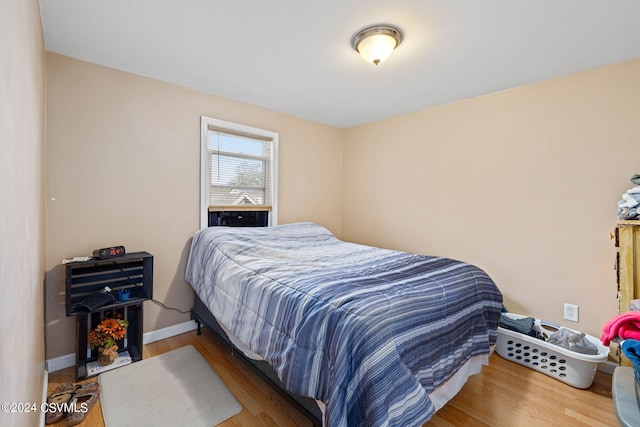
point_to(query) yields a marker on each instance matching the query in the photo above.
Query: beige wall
(22, 120)
(524, 183)
(123, 168)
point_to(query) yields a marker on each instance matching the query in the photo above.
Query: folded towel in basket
(523, 325)
(625, 325)
(574, 341)
(631, 349)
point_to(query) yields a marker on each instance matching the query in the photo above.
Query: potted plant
(105, 336)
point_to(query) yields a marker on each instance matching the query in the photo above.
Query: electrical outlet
(571, 312)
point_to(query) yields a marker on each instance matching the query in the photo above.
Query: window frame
(205, 123)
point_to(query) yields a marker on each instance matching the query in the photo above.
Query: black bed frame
(307, 406)
(201, 314)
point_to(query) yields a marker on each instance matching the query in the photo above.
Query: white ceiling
(296, 56)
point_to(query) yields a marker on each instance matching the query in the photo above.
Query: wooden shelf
(627, 238)
(133, 272)
(131, 343)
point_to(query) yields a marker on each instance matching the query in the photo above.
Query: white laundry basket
(575, 369)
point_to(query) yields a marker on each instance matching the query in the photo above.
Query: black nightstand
(133, 272)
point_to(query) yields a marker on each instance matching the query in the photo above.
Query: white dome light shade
(377, 48)
(375, 44)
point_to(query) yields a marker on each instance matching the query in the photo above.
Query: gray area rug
(177, 388)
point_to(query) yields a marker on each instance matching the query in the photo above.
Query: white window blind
(238, 166)
(240, 169)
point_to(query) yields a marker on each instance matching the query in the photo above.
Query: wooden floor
(503, 394)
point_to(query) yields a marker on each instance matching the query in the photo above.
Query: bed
(377, 337)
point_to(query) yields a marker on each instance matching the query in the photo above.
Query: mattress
(439, 397)
(370, 332)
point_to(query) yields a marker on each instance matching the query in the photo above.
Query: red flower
(108, 332)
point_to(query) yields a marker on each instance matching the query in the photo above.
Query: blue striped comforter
(368, 331)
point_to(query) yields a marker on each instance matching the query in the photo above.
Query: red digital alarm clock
(111, 252)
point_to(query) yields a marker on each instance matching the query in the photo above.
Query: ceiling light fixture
(376, 43)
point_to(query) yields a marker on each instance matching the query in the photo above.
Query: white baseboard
(67, 360)
(45, 385)
(607, 367)
(169, 331)
(60, 362)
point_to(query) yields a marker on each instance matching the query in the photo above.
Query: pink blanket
(624, 325)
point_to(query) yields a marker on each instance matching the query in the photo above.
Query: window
(238, 169)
